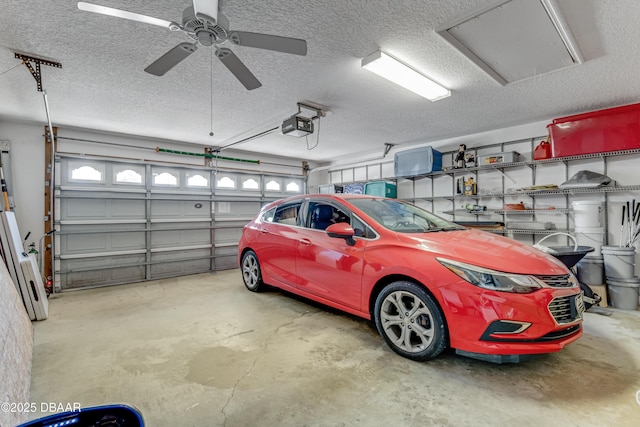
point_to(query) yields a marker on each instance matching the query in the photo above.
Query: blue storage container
(356, 188)
(381, 188)
(417, 161)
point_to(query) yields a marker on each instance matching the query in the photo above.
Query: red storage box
(601, 131)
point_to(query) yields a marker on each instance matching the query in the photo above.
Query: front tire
(410, 322)
(251, 273)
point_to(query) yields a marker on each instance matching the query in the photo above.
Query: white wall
(27, 183)
(16, 346)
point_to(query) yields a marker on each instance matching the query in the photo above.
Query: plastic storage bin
(380, 188)
(355, 188)
(330, 189)
(612, 129)
(417, 161)
(504, 157)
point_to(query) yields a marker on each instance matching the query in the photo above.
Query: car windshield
(403, 217)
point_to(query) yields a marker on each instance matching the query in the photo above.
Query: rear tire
(251, 273)
(410, 321)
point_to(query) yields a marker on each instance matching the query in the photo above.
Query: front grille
(557, 281)
(566, 309)
(552, 336)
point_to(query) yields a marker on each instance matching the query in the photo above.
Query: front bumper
(476, 320)
(498, 358)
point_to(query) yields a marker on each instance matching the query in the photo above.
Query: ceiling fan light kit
(401, 74)
(208, 27)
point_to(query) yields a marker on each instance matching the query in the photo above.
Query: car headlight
(493, 280)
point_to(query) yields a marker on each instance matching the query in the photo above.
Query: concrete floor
(203, 351)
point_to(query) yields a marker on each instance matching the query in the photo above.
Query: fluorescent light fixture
(393, 70)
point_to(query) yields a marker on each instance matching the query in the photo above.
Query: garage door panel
(100, 271)
(84, 209)
(175, 238)
(196, 233)
(96, 208)
(83, 243)
(228, 235)
(128, 209)
(180, 209)
(177, 263)
(235, 209)
(226, 257)
(102, 242)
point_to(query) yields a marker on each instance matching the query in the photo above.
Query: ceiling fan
(207, 26)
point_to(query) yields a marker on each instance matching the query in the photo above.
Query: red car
(427, 283)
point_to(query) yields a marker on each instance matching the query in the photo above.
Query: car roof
(337, 197)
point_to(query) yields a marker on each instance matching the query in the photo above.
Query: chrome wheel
(409, 321)
(251, 271)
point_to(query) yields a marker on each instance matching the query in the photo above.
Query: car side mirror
(342, 230)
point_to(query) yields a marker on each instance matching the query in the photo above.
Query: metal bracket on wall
(387, 147)
(35, 72)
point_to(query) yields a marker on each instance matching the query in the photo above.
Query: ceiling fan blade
(269, 42)
(170, 59)
(207, 9)
(104, 10)
(237, 68)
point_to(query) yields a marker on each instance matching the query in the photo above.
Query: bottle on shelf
(470, 187)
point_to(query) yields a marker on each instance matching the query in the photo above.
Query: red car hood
(487, 250)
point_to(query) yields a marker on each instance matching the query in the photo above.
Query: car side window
(323, 215)
(287, 214)
(361, 229)
(268, 215)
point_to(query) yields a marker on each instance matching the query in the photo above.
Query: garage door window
(126, 175)
(197, 180)
(272, 185)
(84, 173)
(227, 182)
(165, 179)
(293, 187)
(250, 184)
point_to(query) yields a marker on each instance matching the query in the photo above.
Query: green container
(381, 188)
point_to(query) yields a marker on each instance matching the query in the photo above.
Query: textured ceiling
(102, 85)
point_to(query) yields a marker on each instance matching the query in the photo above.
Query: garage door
(121, 223)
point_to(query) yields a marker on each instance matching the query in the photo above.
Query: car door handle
(263, 231)
(305, 242)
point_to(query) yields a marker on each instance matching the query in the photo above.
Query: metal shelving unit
(451, 203)
(458, 199)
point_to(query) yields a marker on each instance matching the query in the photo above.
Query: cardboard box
(602, 291)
